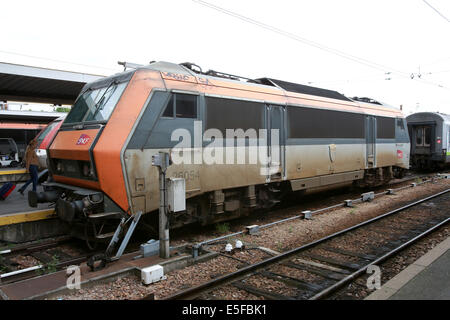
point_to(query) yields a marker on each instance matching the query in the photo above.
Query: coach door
(276, 142)
(370, 141)
(423, 138)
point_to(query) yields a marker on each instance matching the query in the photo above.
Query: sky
(359, 48)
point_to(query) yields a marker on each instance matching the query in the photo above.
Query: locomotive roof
(277, 87)
(301, 88)
(280, 84)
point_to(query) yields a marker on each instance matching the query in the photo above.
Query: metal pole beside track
(162, 161)
(163, 221)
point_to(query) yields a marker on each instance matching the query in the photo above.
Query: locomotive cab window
(400, 125)
(96, 105)
(401, 132)
(181, 106)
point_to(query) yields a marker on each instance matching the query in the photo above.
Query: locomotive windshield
(45, 132)
(96, 105)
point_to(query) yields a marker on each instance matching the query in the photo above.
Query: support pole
(164, 251)
(162, 161)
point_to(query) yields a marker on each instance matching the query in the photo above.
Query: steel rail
(313, 212)
(33, 247)
(28, 273)
(357, 273)
(195, 291)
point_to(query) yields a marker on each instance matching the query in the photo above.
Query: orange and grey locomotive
(309, 139)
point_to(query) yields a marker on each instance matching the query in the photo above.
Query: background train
(100, 159)
(430, 140)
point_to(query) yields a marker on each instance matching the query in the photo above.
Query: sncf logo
(399, 154)
(83, 139)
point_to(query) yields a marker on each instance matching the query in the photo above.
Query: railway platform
(21, 223)
(428, 278)
(13, 175)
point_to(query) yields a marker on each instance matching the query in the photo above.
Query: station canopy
(10, 119)
(41, 85)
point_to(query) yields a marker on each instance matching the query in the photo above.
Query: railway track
(48, 257)
(44, 252)
(24, 249)
(319, 269)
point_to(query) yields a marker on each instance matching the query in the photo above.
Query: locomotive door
(370, 141)
(275, 142)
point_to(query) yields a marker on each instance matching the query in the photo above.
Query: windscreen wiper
(98, 104)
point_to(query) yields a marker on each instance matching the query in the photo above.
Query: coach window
(419, 135)
(427, 140)
(181, 106)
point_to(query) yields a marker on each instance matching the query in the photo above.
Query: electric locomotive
(214, 126)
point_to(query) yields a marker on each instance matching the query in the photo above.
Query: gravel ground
(24, 262)
(131, 288)
(279, 238)
(271, 285)
(389, 269)
(232, 293)
(297, 232)
(60, 253)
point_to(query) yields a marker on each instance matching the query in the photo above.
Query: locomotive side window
(225, 114)
(385, 128)
(315, 123)
(401, 133)
(169, 109)
(182, 106)
(186, 106)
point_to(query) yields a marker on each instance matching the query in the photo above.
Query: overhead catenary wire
(317, 45)
(437, 11)
(295, 37)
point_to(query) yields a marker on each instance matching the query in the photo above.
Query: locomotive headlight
(41, 152)
(87, 169)
(59, 167)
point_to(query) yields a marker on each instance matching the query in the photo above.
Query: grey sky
(401, 35)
